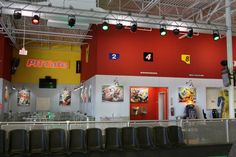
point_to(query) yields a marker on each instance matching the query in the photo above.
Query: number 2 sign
(148, 56)
(114, 56)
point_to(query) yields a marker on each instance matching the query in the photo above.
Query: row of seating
(77, 140)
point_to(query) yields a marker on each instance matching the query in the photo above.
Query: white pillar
(229, 55)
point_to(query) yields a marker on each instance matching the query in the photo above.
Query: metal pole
(229, 55)
(227, 130)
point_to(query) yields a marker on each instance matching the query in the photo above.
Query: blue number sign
(114, 56)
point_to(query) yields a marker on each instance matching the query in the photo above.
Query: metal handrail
(195, 131)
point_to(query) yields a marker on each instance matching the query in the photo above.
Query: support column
(229, 55)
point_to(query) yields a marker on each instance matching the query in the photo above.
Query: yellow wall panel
(67, 53)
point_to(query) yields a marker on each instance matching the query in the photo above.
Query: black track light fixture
(105, 26)
(35, 19)
(17, 14)
(190, 33)
(176, 31)
(134, 27)
(71, 20)
(163, 31)
(216, 35)
(119, 26)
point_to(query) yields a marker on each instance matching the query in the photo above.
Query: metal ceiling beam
(149, 6)
(197, 12)
(191, 6)
(49, 33)
(9, 34)
(213, 11)
(98, 16)
(223, 15)
(49, 40)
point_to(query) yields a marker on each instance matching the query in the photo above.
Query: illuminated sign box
(41, 63)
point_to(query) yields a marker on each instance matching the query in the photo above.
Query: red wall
(206, 54)
(89, 69)
(151, 105)
(5, 58)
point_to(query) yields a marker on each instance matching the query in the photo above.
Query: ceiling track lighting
(105, 26)
(216, 35)
(17, 14)
(133, 27)
(163, 31)
(176, 31)
(190, 33)
(71, 20)
(119, 26)
(35, 19)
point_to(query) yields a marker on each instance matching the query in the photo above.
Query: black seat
(232, 152)
(57, 141)
(113, 139)
(175, 135)
(2, 141)
(94, 139)
(160, 136)
(18, 141)
(77, 142)
(128, 136)
(37, 141)
(144, 137)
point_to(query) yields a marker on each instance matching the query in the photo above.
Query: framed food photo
(138, 95)
(187, 94)
(111, 93)
(65, 98)
(23, 97)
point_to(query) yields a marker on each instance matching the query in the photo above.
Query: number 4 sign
(148, 56)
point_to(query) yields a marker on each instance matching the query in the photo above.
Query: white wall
(53, 94)
(107, 109)
(98, 108)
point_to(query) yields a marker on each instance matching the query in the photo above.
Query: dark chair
(94, 139)
(77, 141)
(160, 136)
(128, 136)
(37, 141)
(113, 139)
(175, 135)
(57, 141)
(2, 141)
(17, 141)
(232, 152)
(144, 137)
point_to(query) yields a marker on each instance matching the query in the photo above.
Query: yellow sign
(42, 63)
(185, 58)
(87, 54)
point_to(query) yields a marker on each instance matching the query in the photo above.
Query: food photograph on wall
(23, 97)
(187, 94)
(65, 98)
(138, 94)
(111, 93)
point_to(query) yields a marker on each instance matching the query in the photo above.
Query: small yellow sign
(185, 58)
(87, 55)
